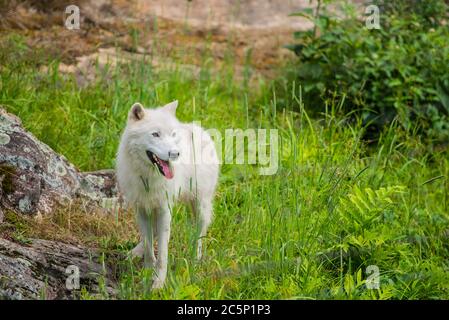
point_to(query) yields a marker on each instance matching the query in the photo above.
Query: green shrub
(398, 71)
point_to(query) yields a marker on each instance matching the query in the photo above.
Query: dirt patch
(228, 15)
(247, 32)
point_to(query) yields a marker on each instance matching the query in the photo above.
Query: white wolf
(160, 161)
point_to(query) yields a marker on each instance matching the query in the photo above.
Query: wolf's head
(152, 138)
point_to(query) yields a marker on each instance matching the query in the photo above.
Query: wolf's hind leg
(138, 250)
(204, 212)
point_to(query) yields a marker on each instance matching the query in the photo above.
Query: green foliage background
(400, 71)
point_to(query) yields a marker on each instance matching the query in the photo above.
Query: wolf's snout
(173, 154)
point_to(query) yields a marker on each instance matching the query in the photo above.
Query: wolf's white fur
(152, 194)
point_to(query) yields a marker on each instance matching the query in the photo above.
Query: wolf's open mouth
(162, 165)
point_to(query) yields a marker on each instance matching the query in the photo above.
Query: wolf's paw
(157, 284)
(138, 251)
(199, 251)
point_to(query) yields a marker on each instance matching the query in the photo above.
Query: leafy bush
(398, 71)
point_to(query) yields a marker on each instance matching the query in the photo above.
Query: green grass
(335, 206)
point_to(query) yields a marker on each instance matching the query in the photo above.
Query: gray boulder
(35, 179)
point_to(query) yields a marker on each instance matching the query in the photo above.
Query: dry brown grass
(106, 26)
(53, 5)
(73, 225)
(41, 5)
(33, 14)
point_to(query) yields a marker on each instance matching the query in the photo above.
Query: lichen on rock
(35, 179)
(4, 138)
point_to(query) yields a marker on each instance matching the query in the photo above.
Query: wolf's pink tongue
(166, 169)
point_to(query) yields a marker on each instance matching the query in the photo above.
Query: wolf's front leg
(146, 247)
(163, 235)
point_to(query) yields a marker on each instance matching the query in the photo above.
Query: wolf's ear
(171, 107)
(137, 112)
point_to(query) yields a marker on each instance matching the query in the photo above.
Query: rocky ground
(41, 269)
(181, 32)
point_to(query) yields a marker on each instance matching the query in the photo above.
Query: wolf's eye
(156, 134)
